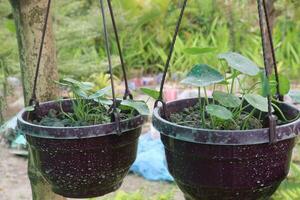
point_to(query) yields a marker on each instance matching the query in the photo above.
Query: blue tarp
(151, 162)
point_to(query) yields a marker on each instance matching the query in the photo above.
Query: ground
(14, 184)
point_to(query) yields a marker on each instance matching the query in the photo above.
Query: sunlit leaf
(140, 106)
(197, 51)
(203, 75)
(86, 85)
(219, 112)
(72, 81)
(226, 99)
(100, 93)
(10, 25)
(257, 101)
(151, 93)
(240, 63)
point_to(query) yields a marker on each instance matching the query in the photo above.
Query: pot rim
(222, 137)
(78, 132)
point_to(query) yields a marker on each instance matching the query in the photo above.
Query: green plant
(225, 110)
(90, 108)
(290, 188)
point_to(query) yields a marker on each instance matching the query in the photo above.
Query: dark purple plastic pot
(82, 162)
(227, 165)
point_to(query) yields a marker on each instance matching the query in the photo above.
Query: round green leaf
(203, 75)
(257, 101)
(151, 93)
(240, 63)
(197, 51)
(219, 112)
(140, 106)
(227, 100)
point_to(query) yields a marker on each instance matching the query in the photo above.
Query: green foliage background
(146, 28)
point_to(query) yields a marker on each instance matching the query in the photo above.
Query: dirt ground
(14, 184)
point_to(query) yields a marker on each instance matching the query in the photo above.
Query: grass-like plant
(89, 107)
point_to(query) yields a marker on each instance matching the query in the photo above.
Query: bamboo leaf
(151, 93)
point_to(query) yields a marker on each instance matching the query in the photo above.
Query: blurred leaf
(226, 99)
(100, 93)
(140, 106)
(104, 101)
(257, 101)
(79, 92)
(240, 63)
(284, 85)
(203, 75)
(295, 95)
(219, 112)
(265, 85)
(151, 93)
(29, 108)
(197, 51)
(10, 25)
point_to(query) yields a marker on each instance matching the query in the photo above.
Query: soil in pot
(191, 117)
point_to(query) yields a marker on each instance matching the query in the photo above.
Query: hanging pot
(81, 162)
(217, 164)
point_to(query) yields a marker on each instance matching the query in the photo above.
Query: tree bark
(29, 17)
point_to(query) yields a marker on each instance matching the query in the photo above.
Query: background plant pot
(212, 164)
(82, 162)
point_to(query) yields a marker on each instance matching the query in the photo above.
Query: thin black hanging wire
(262, 13)
(33, 100)
(278, 95)
(127, 90)
(160, 99)
(116, 116)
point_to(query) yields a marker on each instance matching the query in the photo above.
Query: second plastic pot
(227, 165)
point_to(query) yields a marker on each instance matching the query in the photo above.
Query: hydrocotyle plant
(238, 102)
(89, 107)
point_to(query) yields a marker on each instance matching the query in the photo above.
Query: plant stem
(207, 101)
(232, 82)
(202, 110)
(280, 112)
(206, 96)
(247, 119)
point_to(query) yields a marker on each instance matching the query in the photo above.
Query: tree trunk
(29, 18)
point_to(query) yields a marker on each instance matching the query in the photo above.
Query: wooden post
(29, 17)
